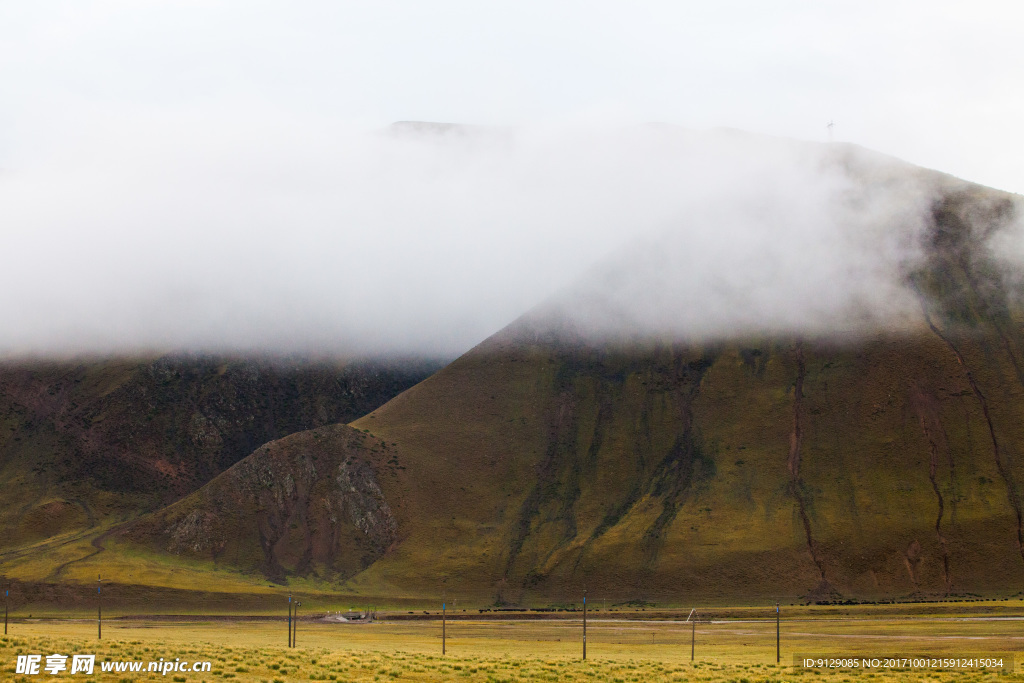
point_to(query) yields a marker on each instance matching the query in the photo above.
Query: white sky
(131, 128)
(938, 83)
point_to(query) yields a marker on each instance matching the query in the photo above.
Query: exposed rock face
(363, 502)
(306, 504)
(194, 534)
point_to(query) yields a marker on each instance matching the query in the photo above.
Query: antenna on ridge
(829, 126)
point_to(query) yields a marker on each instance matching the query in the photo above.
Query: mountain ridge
(859, 464)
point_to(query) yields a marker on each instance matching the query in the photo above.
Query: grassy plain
(619, 650)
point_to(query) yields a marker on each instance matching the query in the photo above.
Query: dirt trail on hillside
(98, 547)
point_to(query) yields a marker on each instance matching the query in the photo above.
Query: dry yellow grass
(619, 651)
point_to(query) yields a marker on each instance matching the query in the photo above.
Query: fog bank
(285, 236)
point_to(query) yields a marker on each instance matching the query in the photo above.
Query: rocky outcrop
(307, 504)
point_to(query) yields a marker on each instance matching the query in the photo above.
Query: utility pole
(7, 593)
(99, 607)
(584, 623)
(693, 638)
(444, 628)
(778, 651)
(295, 623)
(289, 621)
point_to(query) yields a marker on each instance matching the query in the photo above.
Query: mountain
(87, 443)
(869, 463)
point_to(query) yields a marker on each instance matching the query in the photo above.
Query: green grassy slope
(536, 471)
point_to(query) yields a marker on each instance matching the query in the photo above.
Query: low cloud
(306, 236)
